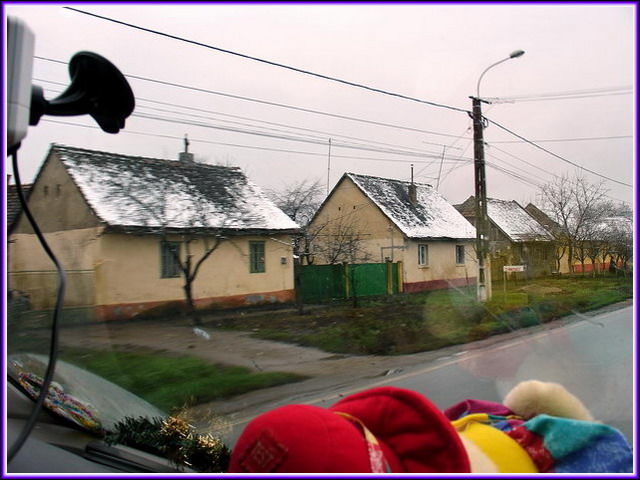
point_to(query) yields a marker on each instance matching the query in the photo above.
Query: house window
(256, 257)
(423, 254)
(169, 264)
(459, 254)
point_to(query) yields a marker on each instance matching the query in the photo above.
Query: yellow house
(374, 219)
(516, 237)
(125, 228)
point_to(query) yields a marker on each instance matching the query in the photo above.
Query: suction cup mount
(97, 88)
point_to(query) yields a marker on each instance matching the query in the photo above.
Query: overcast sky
(581, 57)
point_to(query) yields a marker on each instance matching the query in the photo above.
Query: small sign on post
(508, 269)
(513, 268)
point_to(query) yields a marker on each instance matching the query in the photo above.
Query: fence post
(400, 277)
(347, 282)
(389, 277)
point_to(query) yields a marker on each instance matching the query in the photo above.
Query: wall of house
(441, 271)
(120, 274)
(31, 271)
(382, 240)
(128, 275)
(349, 208)
(56, 202)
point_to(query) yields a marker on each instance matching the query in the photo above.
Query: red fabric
(300, 439)
(468, 407)
(534, 446)
(417, 432)
(413, 434)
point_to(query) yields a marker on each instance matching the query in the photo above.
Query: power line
(513, 175)
(533, 182)
(269, 62)
(556, 155)
(273, 104)
(522, 160)
(236, 145)
(496, 100)
(580, 139)
(285, 137)
(298, 152)
(329, 134)
(593, 92)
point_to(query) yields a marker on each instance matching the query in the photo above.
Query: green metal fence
(317, 283)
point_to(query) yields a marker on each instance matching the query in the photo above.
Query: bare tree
(151, 210)
(576, 206)
(300, 201)
(617, 240)
(340, 240)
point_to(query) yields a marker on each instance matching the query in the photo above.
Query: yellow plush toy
(540, 427)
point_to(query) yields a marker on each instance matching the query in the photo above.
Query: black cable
(610, 137)
(256, 147)
(556, 155)
(265, 102)
(269, 62)
(53, 351)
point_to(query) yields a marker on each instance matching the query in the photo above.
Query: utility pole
(444, 149)
(328, 167)
(482, 227)
(482, 220)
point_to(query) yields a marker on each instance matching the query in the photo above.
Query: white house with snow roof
(515, 238)
(374, 219)
(119, 223)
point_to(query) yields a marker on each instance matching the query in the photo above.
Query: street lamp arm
(515, 54)
(485, 71)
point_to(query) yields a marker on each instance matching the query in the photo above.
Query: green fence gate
(317, 283)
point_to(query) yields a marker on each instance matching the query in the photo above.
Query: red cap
(411, 433)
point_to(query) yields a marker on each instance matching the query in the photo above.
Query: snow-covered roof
(613, 229)
(430, 217)
(515, 222)
(147, 193)
(509, 216)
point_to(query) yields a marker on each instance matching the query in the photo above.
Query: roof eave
(147, 230)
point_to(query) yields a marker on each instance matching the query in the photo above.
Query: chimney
(413, 190)
(185, 156)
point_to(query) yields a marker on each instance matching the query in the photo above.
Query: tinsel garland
(174, 439)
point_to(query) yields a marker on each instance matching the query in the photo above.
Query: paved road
(593, 358)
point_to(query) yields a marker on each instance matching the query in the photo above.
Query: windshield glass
(78, 395)
(311, 201)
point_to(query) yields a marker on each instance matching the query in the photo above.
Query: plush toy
(541, 427)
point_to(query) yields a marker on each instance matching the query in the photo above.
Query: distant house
(515, 238)
(13, 204)
(117, 222)
(606, 244)
(560, 249)
(374, 219)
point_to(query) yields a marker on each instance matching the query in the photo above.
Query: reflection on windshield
(78, 395)
(205, 288)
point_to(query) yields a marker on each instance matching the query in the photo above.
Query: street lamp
(482, 222)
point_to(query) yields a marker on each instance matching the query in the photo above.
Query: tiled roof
(430, 217)
(509, 216)
(515, 222)
(542, 218)
(134, 193)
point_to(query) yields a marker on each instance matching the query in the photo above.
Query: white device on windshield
(20, 45)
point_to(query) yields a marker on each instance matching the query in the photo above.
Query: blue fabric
(609, 454)
(580, 446)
